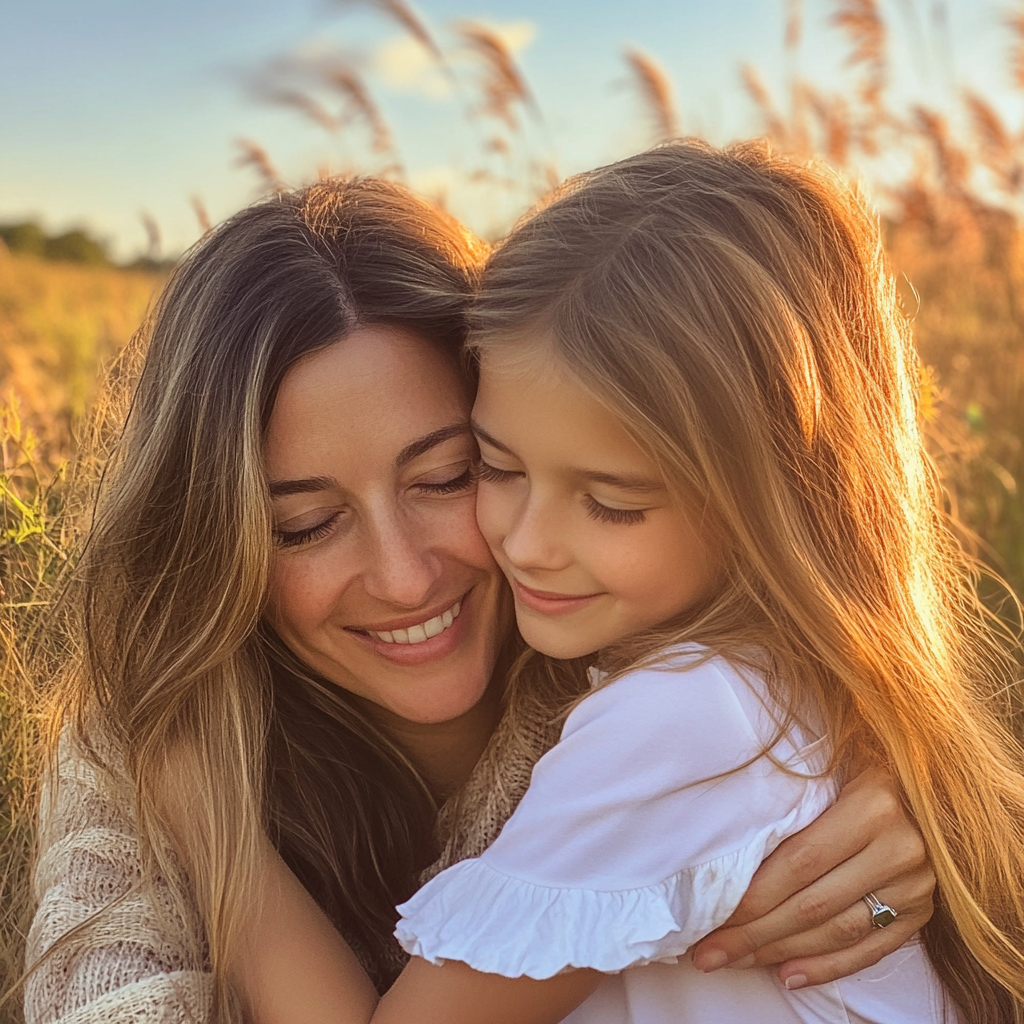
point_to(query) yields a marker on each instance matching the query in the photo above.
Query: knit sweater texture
(132, 965)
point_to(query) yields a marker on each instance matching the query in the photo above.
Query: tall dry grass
(954, 226)
(61, 326)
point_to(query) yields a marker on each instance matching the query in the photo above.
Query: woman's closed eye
(294, 538)
(462, 481)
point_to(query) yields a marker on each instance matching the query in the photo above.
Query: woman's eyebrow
(279, 488)
(423, 444)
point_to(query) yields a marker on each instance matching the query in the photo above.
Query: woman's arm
(804, 907)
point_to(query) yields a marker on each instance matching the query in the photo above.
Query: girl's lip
(432, 649)
(549, 603)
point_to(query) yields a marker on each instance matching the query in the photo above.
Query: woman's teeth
(423, 631)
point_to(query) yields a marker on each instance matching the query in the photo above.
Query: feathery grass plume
(153, 236)
(863, 24)
(950, 161)
(834, 122)
(360, 105)
(502, 84)
(406, 18)
(255, 156)
(1015, 22)
(202, 214)
(302, 102)
(656, 91)
(774, 123)
(794, 25)
(995, 144)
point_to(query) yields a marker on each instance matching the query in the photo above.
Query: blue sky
(113, 107)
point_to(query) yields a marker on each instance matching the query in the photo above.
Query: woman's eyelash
(620, 516)
(293, 538)
(459, 483)
(492, 475)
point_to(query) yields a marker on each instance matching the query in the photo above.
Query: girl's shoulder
(719, 706)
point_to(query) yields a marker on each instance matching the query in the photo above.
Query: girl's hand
(805, 909)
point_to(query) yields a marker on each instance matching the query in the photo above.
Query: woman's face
(381, 580)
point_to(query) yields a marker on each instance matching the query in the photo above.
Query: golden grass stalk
(656, 91)
(255, 156)
(361, 105)
(305, 104)
(202, 214)
(502, 84)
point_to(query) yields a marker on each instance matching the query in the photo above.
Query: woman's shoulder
(101, 945)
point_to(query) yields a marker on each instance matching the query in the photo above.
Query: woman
(290, 624)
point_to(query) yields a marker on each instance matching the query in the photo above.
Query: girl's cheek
(492, 515)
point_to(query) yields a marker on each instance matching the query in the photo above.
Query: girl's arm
(298, 970)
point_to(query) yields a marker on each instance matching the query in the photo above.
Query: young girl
(701, 469)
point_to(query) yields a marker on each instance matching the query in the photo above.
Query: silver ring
(882, 915)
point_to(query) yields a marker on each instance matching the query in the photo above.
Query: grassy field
(955, 234)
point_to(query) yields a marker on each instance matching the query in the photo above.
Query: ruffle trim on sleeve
(503, 925)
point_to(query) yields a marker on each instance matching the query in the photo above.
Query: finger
(828, 841)
(816, 905)
(847, 929)
(817, 970)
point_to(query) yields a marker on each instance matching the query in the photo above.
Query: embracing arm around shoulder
(804, 908)
(298, 970)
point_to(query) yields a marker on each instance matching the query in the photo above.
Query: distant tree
(77, 246)
(26, 237)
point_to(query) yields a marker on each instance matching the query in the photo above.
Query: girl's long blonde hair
(734, 309)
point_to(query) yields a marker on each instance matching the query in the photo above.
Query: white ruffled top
(639, 834)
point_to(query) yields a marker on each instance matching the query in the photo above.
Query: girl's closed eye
(608, 514)
(492, 475)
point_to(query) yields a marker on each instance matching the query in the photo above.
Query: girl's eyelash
(492, 475)
(293, 538)
(460, 483)
(620, 516)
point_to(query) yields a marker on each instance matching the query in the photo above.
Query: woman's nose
(402, 565)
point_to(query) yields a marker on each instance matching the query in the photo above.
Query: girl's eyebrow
(625, 481)
(492, 441)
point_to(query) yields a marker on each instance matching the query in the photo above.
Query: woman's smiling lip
(548, 602)
(431, 649)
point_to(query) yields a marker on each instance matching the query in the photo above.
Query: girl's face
(577, 515)
(381, 581)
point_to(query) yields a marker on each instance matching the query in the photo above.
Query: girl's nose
(533, 539)
(402, 564)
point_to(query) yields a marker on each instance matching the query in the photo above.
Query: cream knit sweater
(135, 968)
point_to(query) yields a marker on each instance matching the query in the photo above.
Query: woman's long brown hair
(177, 672)
(735, 311)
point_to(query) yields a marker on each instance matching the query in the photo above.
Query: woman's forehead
(370, 395)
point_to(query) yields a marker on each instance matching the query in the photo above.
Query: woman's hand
(804, 908)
